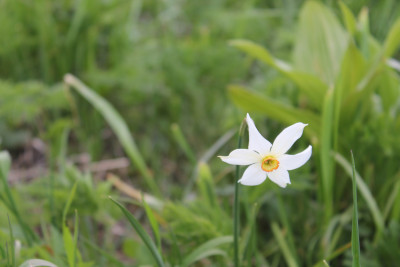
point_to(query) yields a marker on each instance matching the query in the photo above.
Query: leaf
(251, 101)
(309, 84)
(289, 258)
(349, 19)
(5, 163)
(153, 223)
(365, 193)
(206, 185)
(207, 249)
(118, 125)
(355, 238)
(320, 42)
(12, 243)
(392, 41)
(69, 201)
(37, 263)
(181, 140)
(142, 233)
(325, 155)
(7, 197)
(69, 242)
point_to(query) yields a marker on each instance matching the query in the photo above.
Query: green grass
(162, 86)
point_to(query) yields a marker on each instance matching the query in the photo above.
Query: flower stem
(236, 203)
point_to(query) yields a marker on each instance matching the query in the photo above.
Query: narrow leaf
(349, 19)
(309, 84)
(12, 242)
(118, 125)
(153, 223)
(207, 249)
(392, 41)
(251, 101)
(206, 186)
(325, 155)
(365, 193)
(142, 233)
(289, 258)
(181, 140)
(69, 244)
(37, 263)
(355, 238)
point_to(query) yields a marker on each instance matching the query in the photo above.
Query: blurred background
(182, 75)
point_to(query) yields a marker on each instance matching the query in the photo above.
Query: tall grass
(158, 70)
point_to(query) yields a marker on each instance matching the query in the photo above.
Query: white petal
(253, 175)
(291, 162)
(286, 138)
(280, 177)
(256, 141)
(242, 157)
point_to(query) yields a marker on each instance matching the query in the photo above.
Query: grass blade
(355, 238)
(349, 19)
(365, 193)
(309, 84)
(69, 242)
(12, 243)
(392, 41)
(181, 140)
(37, 263)
(142, 233)
(290, 259)
(7, 198)
(251, 101)
(206, 186)
(118, 125)
(207, 249)
(236, 208)
(153, 223)
(326, 156)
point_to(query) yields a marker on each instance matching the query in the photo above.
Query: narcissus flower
(269, 160)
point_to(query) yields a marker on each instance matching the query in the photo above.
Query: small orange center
(269, 164)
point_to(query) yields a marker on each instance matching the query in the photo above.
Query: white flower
(266, 159)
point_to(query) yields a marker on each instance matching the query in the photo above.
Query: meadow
(113, 115)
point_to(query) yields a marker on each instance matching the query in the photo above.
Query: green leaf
(207, 249)
(388, 88)
(349, 19)
(259, 52)
(251, 101)
(12, 243)
(69, 201)
(153, 223)
(37, 263)
(365, 193)
(320, 42)
(118, 125)
(181, 140)
(8, 199)
(309, 84)
(206, 186)
(325, 155)
(69, 242)
(142, 233)
(392, 41)
(355, 238)
(289, 258)
(5, 163)
(69, 246)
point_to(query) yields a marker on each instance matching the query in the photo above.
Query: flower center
(269, 164)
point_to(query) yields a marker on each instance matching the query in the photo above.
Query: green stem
(355, 237)
(236, 210)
